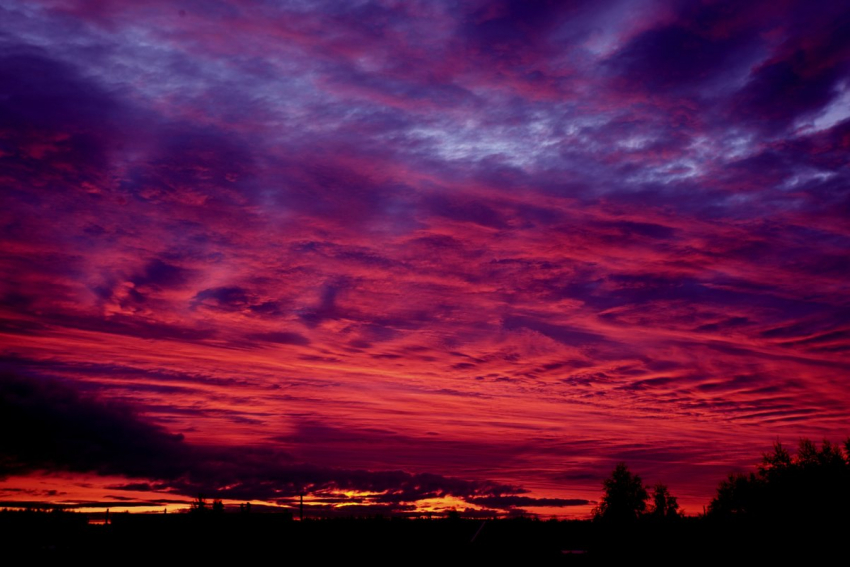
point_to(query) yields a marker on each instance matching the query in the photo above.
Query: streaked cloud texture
(413, 255)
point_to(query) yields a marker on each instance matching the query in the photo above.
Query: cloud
(159, 274)
(232, 298)
(62, 430)
(803, 75)
(466, 232)
(280, 337)
(502, 502)
(676, 57)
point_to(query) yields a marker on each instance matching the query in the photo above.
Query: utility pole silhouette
(301, 513)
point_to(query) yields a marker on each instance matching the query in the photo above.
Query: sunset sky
(409, 256)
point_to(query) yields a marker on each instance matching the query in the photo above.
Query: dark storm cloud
(160, 274)
(502, 502)
(804, 73)
(676, 57)
(57, 127)
(43, 96)
(60, 429)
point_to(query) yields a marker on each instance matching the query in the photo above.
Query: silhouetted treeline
(791, 507)
(812, 485)
(40, 532)
(780, 511)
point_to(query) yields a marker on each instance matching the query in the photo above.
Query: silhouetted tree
(625, 497)
(218, 506)
(775, 463)
(664, 505)
(813, 485)
(735, 496)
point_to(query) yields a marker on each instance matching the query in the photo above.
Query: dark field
(254, 537)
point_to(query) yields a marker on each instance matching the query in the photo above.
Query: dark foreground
(249, 537)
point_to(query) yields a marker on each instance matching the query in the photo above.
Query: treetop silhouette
(625, 497)
(812, 485)
(664, 505)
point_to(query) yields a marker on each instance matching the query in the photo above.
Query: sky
(404, 257)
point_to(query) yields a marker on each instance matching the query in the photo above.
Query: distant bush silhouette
(625, 497)
(199, 505)
(812, 485)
